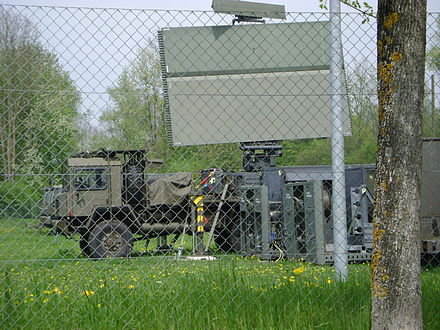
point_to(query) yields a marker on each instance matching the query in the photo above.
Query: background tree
(38, 110)
(433, 54)
(431, 121)
(401, 40)
(135, 119)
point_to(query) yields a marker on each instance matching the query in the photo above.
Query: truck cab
(91, 183)
(112, 198)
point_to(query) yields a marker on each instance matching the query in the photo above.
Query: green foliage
(136, 118)
(306, 152)
(431, 115)
(18, 199)
(433, 54)
(39, 102)
(196, 158)
(38, 113)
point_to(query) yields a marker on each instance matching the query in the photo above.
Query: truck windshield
(90, 179)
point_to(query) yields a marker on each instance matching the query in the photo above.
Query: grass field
(55, 288)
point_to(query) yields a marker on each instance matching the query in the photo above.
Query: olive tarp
(171, 189)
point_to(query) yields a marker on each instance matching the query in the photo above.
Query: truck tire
(84, 245)
(228, 240)
(110, 239)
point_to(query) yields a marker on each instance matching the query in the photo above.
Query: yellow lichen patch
(383, 185)
(388, 40)
(390, 20)
(396, 57)
(378, 232)
(381, 114)
(375, 259)
(379, 291)
(385, 71)
(380, 48)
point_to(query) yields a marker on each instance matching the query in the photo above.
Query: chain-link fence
(171, 169)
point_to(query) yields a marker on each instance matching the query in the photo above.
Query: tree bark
(396, 289)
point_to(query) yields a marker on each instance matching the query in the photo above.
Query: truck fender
(124, 214)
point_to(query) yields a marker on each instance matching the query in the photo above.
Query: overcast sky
(291, 5)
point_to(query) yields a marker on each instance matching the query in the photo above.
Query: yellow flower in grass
(88, 293)
(57, 291)
(299, 270)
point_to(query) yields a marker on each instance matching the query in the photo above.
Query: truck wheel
(84, 246)
(228, 240)
(110, 239)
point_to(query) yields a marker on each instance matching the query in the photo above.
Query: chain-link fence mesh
(169, 169)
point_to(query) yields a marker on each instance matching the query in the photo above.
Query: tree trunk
(396, 291)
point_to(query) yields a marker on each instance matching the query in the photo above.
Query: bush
(19, 199)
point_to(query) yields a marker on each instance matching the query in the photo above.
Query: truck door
(91, 189)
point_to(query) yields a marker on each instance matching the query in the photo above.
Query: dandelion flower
(88, 293)
(57, 291)
(299, 270)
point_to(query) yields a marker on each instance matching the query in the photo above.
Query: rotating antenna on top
(246, 11)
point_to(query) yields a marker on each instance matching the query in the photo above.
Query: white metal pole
(338, 164)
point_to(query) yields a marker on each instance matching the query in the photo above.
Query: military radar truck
(112, 199)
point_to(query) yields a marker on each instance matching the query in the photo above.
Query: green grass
(165, 293)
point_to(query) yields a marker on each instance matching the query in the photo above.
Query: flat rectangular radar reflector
(250, 9)
(247, 83)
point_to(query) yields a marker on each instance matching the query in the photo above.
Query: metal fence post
(338, 165)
